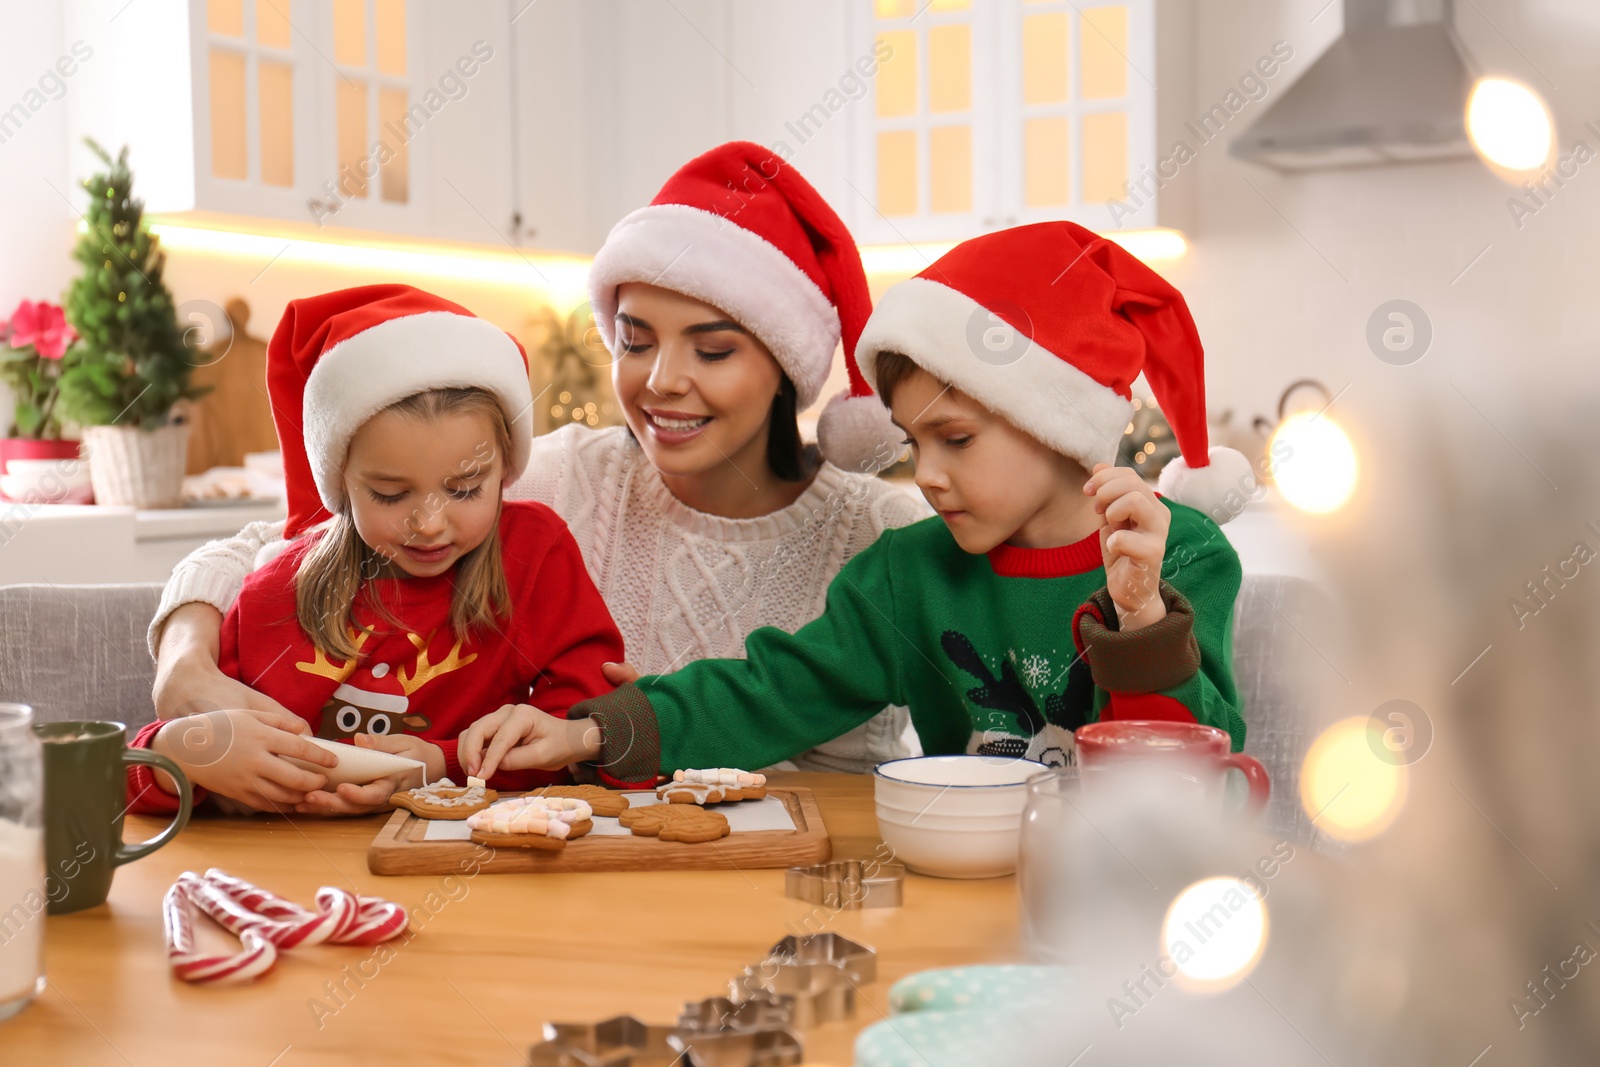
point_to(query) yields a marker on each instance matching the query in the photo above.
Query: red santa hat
(338, 359)
(1048, 326)
(740, 229)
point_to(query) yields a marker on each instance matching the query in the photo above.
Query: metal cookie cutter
(848, 884)
(859, 962)
(623, 1041)
(718, 1032)
(821, 992)
(738, 1048)
(759, 1011)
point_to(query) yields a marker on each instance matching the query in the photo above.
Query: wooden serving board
(400, 848)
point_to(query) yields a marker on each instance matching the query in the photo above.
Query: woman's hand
(187, 678)
(1133, 543)
(244, 754)
(520, 736)
(350, 799)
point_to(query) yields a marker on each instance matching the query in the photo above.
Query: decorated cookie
(606, 802)
(532, 822)
(715, 785)
(675, 822)
(445, 800)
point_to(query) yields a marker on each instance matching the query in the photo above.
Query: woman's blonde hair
(334, 573)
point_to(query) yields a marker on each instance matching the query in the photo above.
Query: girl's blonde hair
(334, 572)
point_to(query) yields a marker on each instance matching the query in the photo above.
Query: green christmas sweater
(1004, 653)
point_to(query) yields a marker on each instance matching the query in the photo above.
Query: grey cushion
(78, 651)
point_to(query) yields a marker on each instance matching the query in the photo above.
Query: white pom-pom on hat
(856, 434)
(1221, 488)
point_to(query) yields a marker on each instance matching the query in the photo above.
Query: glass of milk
(22, 891)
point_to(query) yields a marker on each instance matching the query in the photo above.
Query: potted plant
(32, 343)
(125, 379)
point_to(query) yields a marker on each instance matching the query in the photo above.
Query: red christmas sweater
(420, 678)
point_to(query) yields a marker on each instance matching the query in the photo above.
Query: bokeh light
(1509, 124)
(1318, 470)
(1351, 793)
(1215, 932)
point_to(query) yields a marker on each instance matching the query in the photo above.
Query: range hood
(1392, 89)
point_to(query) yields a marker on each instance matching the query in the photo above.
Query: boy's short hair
(893, 368)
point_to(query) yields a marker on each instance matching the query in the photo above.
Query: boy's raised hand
(1133, 542)
(520, 737)
(240, 753)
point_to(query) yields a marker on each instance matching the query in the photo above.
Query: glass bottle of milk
(22, 889)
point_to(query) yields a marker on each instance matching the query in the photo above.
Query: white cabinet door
(1078, 118)
(460, 135)
(993, 114)
(926, 145)
(386, 115)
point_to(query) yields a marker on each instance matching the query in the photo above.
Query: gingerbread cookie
(675, 822)
(532, 822)
(714, 785)
(445, 800)
(605, 802)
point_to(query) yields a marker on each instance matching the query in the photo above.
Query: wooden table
(493, 957)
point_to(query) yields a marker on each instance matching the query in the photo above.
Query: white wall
(36, 233)
(1271, 308)
(36, 224)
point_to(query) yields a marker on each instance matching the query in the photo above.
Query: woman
(706, 516)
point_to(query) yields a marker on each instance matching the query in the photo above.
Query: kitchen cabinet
(387, 115)
(985, 115)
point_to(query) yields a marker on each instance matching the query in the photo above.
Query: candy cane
(379, 921)
(342, 918)
(255, 958)
(303, 928)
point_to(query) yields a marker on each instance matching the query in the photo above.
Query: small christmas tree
(132, 362)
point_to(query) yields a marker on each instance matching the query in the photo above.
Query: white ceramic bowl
(46, 481)
(953, 816)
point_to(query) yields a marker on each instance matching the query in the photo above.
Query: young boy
(1052, 589)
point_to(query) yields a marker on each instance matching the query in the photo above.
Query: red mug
(1106, 745)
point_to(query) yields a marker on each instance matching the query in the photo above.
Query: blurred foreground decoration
(1455, 919)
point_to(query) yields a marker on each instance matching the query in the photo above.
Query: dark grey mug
(85, 798)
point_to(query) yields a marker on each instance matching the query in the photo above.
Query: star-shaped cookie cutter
(846, 884)
(859, 962)
(622, 1041)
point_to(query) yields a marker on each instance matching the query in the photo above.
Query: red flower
(44, 326)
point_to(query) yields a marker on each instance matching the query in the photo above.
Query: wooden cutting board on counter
(784, 830)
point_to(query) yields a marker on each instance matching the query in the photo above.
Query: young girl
(423, 603)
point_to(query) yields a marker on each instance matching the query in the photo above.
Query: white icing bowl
(953, 816)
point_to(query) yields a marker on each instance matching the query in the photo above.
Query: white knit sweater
(681, 584)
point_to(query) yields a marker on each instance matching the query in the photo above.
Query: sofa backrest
(78, 651)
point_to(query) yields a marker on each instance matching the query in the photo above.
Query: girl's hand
(520, 736)
(351, 799)
(239, 753)
(1133, 543)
